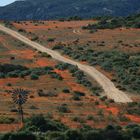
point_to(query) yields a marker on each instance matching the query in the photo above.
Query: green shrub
(6, 120)
(58, 47)
(103, 98)
(42, 93)
(63, 66)
(79, 93)
(2, 75)
(33, 107)
(63, 108)
(55, 136)
(90, 117)
(19, 136)
(97, 103)
(73, 135)
(76, 97)
(47, 68)
(136, 132)
(34, 77)
(93, 135)
(51, 39)
(43, 54)
(38, 123)
(22, 30)
(13, 74)
(56, 76)
(6, 68)
(78, 119)
(66, 90)
(35, 38)
(123, 118)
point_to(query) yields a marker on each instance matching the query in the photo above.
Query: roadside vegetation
(125, 66)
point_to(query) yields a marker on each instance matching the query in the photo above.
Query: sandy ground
(110, 90)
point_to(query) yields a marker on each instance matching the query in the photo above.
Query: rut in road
(109, 88)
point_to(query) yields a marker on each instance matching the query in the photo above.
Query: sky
(5, 2)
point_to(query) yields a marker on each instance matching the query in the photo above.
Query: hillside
(60, 90)
(48, 9)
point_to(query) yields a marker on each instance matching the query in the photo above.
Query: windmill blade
(19, 96)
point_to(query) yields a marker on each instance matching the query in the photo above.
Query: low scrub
(6, 120)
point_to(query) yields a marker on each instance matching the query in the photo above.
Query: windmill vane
(20, 96)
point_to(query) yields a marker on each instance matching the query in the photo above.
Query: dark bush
(34, 77)
(79, 93)
(22, 30)
(66, 90)
(6, 68)
(56, 76)
(42, 93)
(38, 123)
(73, 135)
(58, 47)
(19, 136)
(93, 135)
(76, 98)
(45, 55)
(35, 38)
(51, 39)
(63, 108)
(6, 120)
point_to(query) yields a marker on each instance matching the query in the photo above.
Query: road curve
(109, 88)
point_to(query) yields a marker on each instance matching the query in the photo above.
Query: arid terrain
(62, 96)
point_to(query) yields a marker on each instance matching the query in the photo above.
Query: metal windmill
(20, 97)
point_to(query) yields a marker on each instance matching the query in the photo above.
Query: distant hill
(52, 9)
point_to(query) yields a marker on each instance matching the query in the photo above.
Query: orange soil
(68, 80)
(1, 39)
(8, 80)
(113, 110)
(52, 24)
(90, 123)
(26, 54)
(133, 118)
(42, 62)
(63, 96)
(76, 87)
(70, 123)
(123, 123)
(65, 74)
(9, 127)
(4, 60)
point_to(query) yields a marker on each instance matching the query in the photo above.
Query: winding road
(109, 88)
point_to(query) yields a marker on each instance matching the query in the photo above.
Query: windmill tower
(20, 97)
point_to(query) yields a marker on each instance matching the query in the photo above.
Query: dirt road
(110, 90)
(78, 32)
